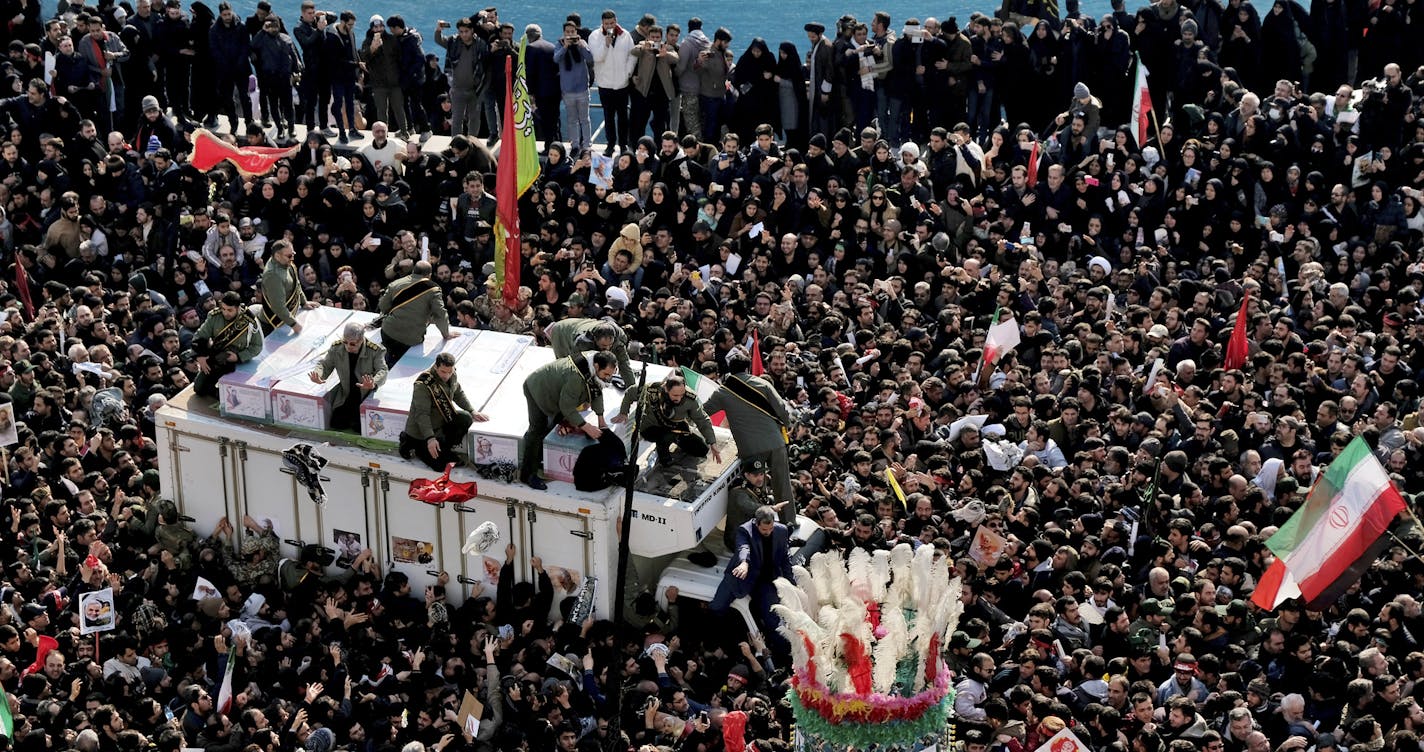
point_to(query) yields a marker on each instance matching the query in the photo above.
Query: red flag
(47, 645)
(440, 491)
(209, 150)
(506, 195)
(22, 283)
(1236, 348)
(757, 367)
(1033, 165)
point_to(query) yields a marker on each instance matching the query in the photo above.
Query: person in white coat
(1044, 448)
(612, 47)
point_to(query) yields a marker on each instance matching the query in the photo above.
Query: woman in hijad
(1016, 65)
(757, 90)
(790, 78)
(1046, 79)
(1280, 47)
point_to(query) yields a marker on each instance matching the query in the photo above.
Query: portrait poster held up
(96, 612)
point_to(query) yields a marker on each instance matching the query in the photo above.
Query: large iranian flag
(1334, 537)
(702, 388)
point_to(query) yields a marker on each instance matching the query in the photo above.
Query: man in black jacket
(412, 75)
(232, 51)
(315, 86)
(339, 52)
(173, 39)
(277, 62)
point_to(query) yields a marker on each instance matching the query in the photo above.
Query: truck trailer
(217, 463)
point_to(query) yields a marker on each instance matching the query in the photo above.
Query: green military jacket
(661, 412)
(282, 294)
(562, 389)
(570, 337)
(755, 431)
(370, 361)
(425, 421)
(408, 306)
(742, 503)
(241, 334)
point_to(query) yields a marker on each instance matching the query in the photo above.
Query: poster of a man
(9, 432)
(96, 611)
(348, 547)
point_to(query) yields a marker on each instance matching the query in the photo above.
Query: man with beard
(228, 337)
(440, 415)
(560, 392)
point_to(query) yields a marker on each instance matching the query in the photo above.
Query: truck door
(193, 461)
(265, 491)
(564, 540)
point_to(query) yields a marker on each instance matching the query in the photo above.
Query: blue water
(774, 22)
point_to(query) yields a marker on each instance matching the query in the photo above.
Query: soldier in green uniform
(558, 392)
(409, 305)
(282, 295)
(229, 336)
(361, 367)
(25, 388)
(759, 422)
(745, 497)
(669, 417)
(573, 336)
(440, 416)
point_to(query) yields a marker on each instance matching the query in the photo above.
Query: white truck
(217, 466)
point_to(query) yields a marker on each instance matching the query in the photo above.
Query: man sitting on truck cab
(670, 416)
(228, 337)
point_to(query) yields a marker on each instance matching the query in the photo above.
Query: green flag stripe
(7, 724)
(1327, 489)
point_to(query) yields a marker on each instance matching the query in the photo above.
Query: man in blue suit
(762, 555)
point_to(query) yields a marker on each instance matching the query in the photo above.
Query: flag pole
(1402, 544)
(1155, 125)
(625, 530)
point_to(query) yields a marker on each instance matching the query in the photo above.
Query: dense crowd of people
(865, 201)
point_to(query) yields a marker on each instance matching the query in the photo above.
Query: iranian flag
(1033, 160)
(7, 723)
(1003, 337)
(224, 702)
(1334, 537)
(1141, 101)
(22, 286)
(703, 388)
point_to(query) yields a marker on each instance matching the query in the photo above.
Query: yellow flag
(895, 486)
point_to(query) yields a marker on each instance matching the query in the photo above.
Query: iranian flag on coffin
(702, 388)
(1334, 537)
